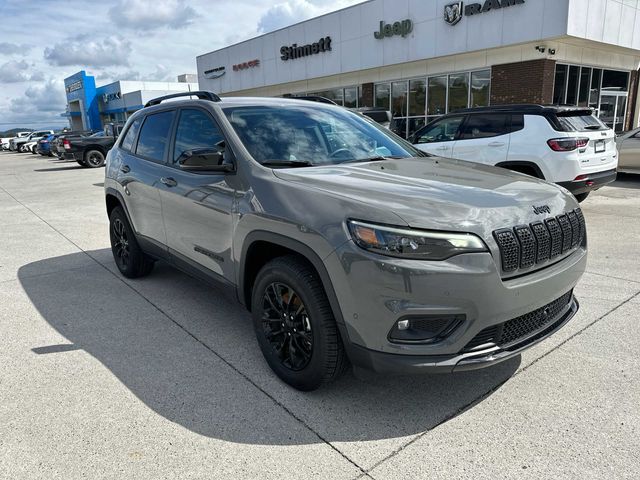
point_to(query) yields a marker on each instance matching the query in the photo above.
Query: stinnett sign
(453, 12)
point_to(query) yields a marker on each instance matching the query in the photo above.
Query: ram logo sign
(453, 13)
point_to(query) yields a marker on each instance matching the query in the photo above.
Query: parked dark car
(44, 145)
(90, 151)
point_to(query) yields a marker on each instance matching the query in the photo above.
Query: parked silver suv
(344, 241)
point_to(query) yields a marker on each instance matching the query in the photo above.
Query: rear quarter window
(578, 122)
(154, 136)
(130, 135)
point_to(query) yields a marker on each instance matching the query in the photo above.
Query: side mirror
(204, 160)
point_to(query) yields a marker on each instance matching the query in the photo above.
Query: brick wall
(523, 82)
(367, 95)
(631, 101)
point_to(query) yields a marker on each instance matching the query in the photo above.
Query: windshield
(308, 135)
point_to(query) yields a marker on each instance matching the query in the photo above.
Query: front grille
(511, 331)
(524, 246)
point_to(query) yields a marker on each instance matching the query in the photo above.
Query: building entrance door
(613, 109)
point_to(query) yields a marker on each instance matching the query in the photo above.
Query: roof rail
(201, 94)
(315, 98)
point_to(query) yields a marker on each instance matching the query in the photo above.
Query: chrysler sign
(453, 12)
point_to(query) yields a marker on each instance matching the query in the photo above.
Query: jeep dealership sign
(453, 12)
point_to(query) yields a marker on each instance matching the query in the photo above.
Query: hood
(437, 193)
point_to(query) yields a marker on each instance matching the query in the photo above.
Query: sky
(44, 41)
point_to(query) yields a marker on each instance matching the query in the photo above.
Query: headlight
(415, 244)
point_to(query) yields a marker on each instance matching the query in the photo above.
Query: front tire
(129, 257)
(94, 159)
(295, 326)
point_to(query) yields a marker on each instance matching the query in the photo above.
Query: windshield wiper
(287, 163)
(374, 159)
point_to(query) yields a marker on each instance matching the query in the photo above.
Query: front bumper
(593, 181)
(374, 293)
(388, 363)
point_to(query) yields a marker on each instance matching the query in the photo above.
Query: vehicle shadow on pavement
(626, 180)
(189, 353)
(58, 169)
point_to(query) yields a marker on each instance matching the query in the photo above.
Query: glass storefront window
(437, 96)
(572, 85)
(458, 91)
(603, 90)
(559, 88)
(399, 99)
(480, 82)
(594, 92)
(351, 97)
(417, 97)
(382, 95)
(614, 81)
(583, 93)
(416, 102)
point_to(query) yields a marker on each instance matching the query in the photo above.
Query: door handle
(496, 144)
(443, 148)
(125, 169)
(169, 182)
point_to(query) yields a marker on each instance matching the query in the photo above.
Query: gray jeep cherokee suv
(344, 242)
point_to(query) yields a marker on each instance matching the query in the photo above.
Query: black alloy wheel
(120, 243)
(129, 257)
(286, 325)
(294, 324)
(94, 158)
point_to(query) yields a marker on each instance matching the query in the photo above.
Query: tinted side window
(130, 137)
(517, 122)
(444, 130)
(154, 136)
(485, 125)
(196, 129)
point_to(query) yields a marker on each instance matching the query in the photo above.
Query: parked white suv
(565, 145)
(17, 144)
(4, 142)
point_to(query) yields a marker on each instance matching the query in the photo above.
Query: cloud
(39, 105)
(163, 74)
(83, 50)
(18, 71)
(294, 11)
(48, 97)
(160, 74)
(8, 48)
(152, 14)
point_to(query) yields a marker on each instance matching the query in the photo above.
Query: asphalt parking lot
(102, 377)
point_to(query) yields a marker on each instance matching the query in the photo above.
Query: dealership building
(424, 58)
(90, 107)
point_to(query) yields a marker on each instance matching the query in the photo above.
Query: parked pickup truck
(90, 151)
(56, 145)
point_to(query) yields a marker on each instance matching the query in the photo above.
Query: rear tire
(94, 159)
(129, 257)
(581, 197)
(295, 326)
